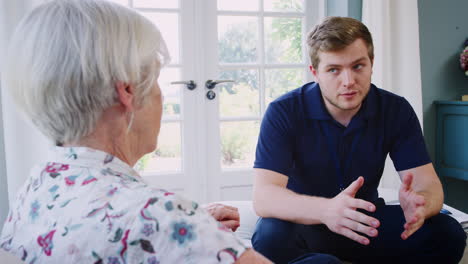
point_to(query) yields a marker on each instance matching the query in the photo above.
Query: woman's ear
(126, 93)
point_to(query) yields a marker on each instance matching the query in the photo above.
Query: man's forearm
(279, 202)
(434, 201)
(432, 192)
(427, 183)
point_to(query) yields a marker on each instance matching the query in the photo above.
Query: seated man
(320, 157)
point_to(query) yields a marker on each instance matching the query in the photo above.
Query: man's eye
(358, 66)
(332, 70)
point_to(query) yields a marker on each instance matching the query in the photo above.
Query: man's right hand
(342, 217)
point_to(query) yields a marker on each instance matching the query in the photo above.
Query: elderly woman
(85, 72)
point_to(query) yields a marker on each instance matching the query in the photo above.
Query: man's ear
(313, 71)
(126, 94)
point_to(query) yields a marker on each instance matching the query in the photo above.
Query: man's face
(344, 77)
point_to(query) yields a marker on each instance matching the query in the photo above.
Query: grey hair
(66, 56)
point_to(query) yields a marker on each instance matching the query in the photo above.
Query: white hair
(66, 56)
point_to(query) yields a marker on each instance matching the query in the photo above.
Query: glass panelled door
(175, 163)
(240, 55)
(259, 46)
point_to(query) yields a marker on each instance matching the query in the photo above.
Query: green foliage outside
(239, 44)
(168, 146)
(283, 44)
(242, 97)
(289, 5)
(143, 162)
(238, 140)
(171, 108)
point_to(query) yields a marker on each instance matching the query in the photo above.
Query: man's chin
(350, 107)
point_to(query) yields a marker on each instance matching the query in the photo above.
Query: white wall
(21, 145)
(3, 178)
(395, 31)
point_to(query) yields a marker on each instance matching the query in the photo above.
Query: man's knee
(451, 237)
(316, 258)
(273, 233)
(276, 239)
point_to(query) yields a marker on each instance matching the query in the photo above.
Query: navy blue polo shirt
(300, 139)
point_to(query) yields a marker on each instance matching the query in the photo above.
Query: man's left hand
(412, 204)
(226, 215)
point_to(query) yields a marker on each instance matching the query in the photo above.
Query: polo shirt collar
(370, 104)
(315, 107)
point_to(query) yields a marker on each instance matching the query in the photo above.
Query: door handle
(210, 84)
(191, 85)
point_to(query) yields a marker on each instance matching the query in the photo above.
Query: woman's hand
(226, 215)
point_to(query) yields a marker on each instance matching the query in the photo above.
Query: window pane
(283, 40)
(120, 2)
(172, 93)
(280, 81)
(238, 5)
(238, 142)
(168, 24)
(284, 5)
(167, 157)
(237, 39)
(240, 98)
(156, 3)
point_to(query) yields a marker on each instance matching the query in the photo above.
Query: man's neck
(343, 117)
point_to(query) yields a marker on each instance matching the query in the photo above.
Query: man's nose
(348, 78)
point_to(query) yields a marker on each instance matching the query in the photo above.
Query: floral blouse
(90, 207)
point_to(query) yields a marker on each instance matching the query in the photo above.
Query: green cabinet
(452, 139)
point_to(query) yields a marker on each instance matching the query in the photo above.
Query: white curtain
(24, 144)
(395, 29)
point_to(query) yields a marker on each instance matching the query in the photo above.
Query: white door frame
(202, 177)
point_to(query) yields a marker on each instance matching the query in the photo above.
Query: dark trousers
(440, 240)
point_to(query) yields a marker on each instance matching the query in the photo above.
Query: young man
(320, 157)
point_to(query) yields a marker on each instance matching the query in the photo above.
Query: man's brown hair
(335, 33)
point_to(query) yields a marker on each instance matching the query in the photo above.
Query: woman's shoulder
(151, 198)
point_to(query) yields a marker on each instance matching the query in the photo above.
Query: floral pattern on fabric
(35, 206)
(147, 229)
(87, 206)
(182, 233)
(46, 242)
